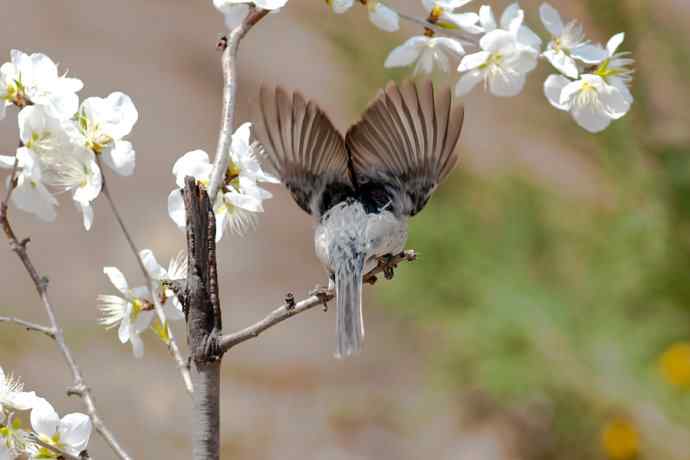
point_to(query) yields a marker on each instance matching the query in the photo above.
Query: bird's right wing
(304, 149)
(404, 145)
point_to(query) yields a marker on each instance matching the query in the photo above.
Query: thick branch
(202, 310)
(41, 285)
(29, 326)
(229, 62)
(172, 344)
(290, 308)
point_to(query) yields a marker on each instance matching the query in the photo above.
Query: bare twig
(41, 285)
(229, 61)
(29, 326)
(172, 344)
(290, 308)
(463, 37)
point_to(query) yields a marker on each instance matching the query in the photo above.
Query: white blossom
(5, 452)
(131, 312)
(12, 394)
(426, 52)
(30, 193)
(382, 16)
(512, 20)
(176, 271)
(443, 13)
(35, 79)
(240, 198)
(41, 132)
(101, 126)
(78, 172)
(235, 11)
(340, 6)
(502, 64)
(569, 44)
(590, 100)
(69, 434)
(614, 68)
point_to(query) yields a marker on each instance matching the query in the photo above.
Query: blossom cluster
(49, 436)
(62, 142)
(132, 311)
(592, 83)
(240, 198)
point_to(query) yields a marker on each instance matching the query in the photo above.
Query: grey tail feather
(349, 320)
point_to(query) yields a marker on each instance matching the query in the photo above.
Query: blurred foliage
(531, 293)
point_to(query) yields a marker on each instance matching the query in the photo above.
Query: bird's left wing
(304, 149)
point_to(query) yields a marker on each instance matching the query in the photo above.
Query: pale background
(284, 396)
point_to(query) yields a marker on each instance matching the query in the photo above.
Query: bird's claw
(323, 294)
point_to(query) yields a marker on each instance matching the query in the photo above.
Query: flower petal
(176, 209)
(562, 62)
(142, 322)
(75, 431)
(270, 4)
(152, 266)
(468, 81)
(384, 18)
(507, 85)
(121, 158)
(123, 115)
(44, 419)
(137, 346)
(589, 54)
(474, 60)
(21, 400)
(591, 118)
(195, 164)
(407, 53)
(117, 279)
(614, 43)
(553, 86)
(341, 6)
(87, 215)
(551, 19)
(487, 18)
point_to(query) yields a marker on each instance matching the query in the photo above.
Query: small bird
(362, 188)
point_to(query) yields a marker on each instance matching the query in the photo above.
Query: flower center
(435, 13)
(232, 176)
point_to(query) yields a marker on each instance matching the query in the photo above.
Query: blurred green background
(548, 315)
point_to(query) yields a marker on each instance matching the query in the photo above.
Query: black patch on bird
(374, 196)
(333, 194)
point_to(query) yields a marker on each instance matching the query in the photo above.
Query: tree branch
(29, 326)
(204, 324)
(41, 285)
(172, 344)
(230, 47)
(292, 308)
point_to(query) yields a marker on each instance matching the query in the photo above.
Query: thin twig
(464, 37)
(29, 326)
(41, 285)
(290, 308)
(172, 344)
(229, 62)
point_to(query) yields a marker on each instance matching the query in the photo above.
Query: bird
(362, 188)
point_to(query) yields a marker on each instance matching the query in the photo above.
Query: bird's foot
(324, 294)
(387, 266)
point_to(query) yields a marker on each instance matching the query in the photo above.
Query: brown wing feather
(406, 141)
(304, 149)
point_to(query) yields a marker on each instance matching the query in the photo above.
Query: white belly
(382, 234)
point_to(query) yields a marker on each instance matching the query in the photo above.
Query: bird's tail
(349, 322)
